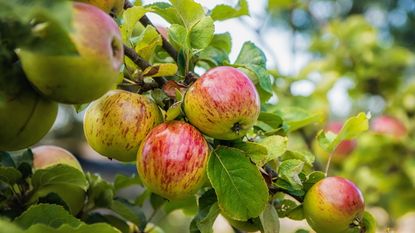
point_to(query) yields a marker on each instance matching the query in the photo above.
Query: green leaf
(271, 119)
(313, 178)
(189, 11)
(236, 180)
(257, 152)
(208, 207)
(295, 118)
(24, 162)
(131, 16)
(280, 4)
(306, 156)
(178, 36)
(223, 12)
(165, 10)
(147, 42)
(122, 181)
(369, 223)
(10, 175)
(97, 227)
(100, 192)
(112, 220)
(6, 160)
(130, 212)
(276, 146)
(160, 70)
(60, 174)
(174, 111)
(352, 128)
(289, 171)
(222, 41)
(201, 34)
(205, 224)
(157, 201)
(251, 54)
(284, 207)
(269, 220)
(187, 205)
(48, 214)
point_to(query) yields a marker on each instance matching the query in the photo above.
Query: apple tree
(199, 126)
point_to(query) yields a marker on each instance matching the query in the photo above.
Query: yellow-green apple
(81, 78)
(223, 103)
(114, 7)
(48, 156)
(389, 126)
(25, 116)
(332, 205)
(344, 148)
(172, 160)
(116, 123)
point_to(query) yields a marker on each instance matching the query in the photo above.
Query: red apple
(172, 160)
(389, 126)
(332, 204)
(223, 103)
(47, 156)
(76, 79)
(115, 124)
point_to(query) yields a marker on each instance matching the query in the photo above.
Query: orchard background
(317, 66)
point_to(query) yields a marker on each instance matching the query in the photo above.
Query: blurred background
(329, 57)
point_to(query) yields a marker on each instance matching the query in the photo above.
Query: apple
(115, 124)
(172, 160)
(114, 7)
(332, 205)
(47, 156)
(389, 126)
(82, 78)
(223, 103)
(25, 116)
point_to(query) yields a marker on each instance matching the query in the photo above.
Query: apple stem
(328, 162)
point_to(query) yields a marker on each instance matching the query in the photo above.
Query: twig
(326, 171)
(130, 53)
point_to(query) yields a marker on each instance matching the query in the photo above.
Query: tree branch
(139, 61)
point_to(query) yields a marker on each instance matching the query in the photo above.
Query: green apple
(115, 124)
(172, 160)
(332, 205)
(25, 116)
(108, 6)
(82, 78)
(223, 103)
(47, 156)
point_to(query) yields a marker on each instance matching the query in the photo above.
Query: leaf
(9, 175)
(112, 220)
(100, 193)
(295, 118)
(257, 152)
(201, 34)
(289, 171)
(131, 16)
(223, 12)
(174, 111)
(222, 42)
(189, 11)
(178, 36)
(208, 212)
(369, 223)
(24, 162)
(159, 70)
(122, 181)
(165, 10)
(276, 146)
(129, 212)
(187, 205)
(97, 227)
(284, 207)
(269, 220)
(306, 156)
(80, 107)
(147, 42)
(271, 119)
(313, 178)
(6, 160)
(59, 174)
(173, 89)
(48, 214)
(205, 224)
(237, 181)
(352, 128)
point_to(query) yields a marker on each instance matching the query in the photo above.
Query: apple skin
(332, 204)
(172, 160)
(108, 6)
(223, 103)
(115, 124)
(25, 116)
(79, 79)
(389, 126)
(47, 156)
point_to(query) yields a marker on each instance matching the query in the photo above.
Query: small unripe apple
(25, 116)
(172, 160)
(332, 205)
(223, 103)
(115, 124)
(389, 126)
(77, 79)
(47, 156)
(114, 7)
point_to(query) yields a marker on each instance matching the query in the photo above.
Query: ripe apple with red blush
(172, 160)
(223, 103)
(332, 205)
(389, 126)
